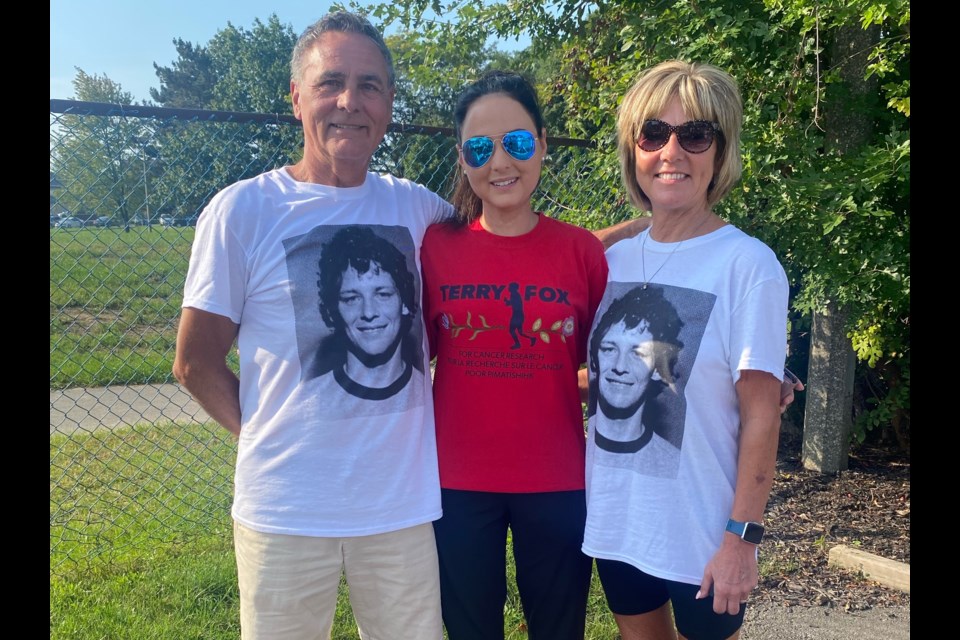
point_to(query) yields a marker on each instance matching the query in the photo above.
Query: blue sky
(122, 39)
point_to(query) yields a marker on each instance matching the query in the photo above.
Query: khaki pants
(288, 584)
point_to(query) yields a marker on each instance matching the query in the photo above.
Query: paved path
(121, 406)
(772, 622)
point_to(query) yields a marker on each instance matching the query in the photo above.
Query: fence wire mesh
(128, 446)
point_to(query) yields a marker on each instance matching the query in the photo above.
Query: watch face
(753, 532)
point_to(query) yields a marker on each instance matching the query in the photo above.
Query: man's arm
(622, 230)
(732, 572)
(203, 341)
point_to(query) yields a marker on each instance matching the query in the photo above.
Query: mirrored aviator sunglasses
(694, 136)
(477, 151)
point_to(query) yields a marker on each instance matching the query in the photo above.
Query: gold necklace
(643, 252)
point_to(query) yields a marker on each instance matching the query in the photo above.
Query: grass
(768, 566)
(141, 540)
(111, 491)
(114, 302)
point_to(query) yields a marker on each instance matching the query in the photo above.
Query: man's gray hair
(344, 22)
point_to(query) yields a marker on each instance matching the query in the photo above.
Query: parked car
(173, 221)
(70, 223)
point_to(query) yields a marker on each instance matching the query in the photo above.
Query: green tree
(189, 82)
(240, 70)
(428, 82)
(836, 215)
(93, 157)
(253, 67)
(435, 59)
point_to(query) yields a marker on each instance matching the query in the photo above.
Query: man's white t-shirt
(308, 464)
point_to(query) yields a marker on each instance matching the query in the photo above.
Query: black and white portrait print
(356, 292)
(642, 347)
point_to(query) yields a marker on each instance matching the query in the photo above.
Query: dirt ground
(866, 507)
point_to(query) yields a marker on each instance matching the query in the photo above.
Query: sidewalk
(771, 622)
(81, 409)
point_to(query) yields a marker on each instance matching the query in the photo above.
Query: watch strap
(751, 532)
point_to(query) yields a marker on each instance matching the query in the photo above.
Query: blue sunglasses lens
(477, 151)
(519, 144)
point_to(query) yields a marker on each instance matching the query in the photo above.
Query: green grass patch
(115, 301)
(170, 592)
(770, 566)
(116, 490)
(141, 542)
(140, 533)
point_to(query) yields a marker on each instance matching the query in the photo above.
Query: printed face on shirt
(371, 308)
(625, 362)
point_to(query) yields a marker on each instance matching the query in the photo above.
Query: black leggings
(553, 574)
(631, 592)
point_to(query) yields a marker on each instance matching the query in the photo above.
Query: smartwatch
(751, 532)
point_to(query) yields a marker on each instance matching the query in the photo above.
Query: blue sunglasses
(477, 151)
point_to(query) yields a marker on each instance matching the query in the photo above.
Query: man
(633, 359)
(319, 491)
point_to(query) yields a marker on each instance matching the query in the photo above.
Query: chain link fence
(127, 183)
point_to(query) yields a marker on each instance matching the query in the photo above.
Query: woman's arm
(732, 572)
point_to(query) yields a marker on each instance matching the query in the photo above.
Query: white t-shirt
(731, 295)
(308, 464)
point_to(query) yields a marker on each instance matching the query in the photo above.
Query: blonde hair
(706, 93)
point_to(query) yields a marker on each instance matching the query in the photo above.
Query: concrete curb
(888, 572)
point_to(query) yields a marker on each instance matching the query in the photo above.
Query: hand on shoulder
(622, 230)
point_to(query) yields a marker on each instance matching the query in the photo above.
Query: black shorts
(630, 591)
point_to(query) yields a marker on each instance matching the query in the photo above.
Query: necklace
(643, 252)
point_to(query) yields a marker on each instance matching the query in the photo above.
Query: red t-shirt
(508, 320)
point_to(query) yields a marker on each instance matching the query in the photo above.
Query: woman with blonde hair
(685, 541)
